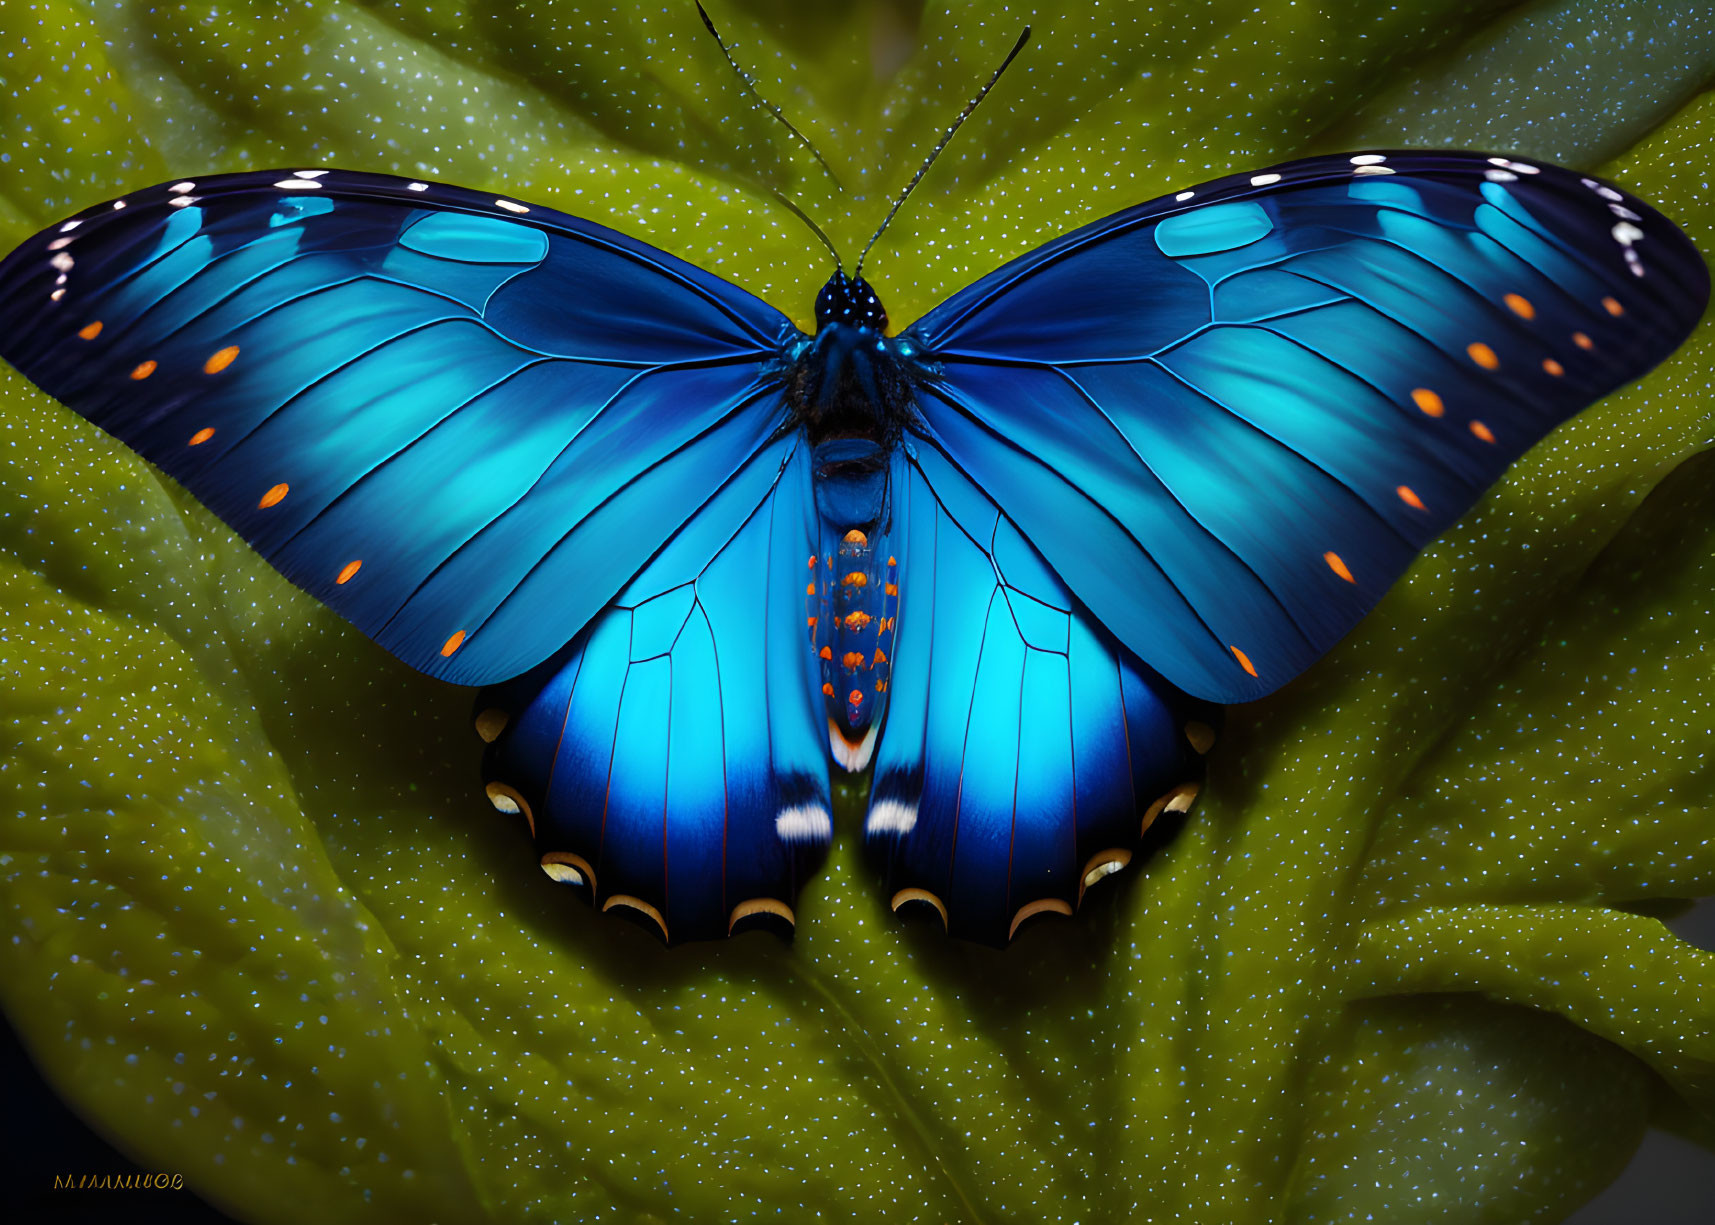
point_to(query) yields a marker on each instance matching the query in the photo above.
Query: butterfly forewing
(1230, 418)
(462, 421)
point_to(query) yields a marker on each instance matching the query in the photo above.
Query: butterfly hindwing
(1230, 419)
(672, 760)
(1025, 750)
(461, 421)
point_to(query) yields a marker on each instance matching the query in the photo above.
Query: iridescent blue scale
(1010, 560)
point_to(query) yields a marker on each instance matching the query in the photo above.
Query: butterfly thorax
(851, 379)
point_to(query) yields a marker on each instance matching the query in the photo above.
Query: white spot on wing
(1620, 210)
(179, 189)
(416, 187)
(57, 294)
(1500, 176)
(891, 817)
(181, 201)
(1625, 233)
(804, 823)
(1263, 180)
(58, 243)
(511, 206)
(309, 174)
(69, 226)
(62, 261)
(1373, 170)
(118, 204)
(297, 184)
(1608, 193)
(1368, 159)
(1184, 196)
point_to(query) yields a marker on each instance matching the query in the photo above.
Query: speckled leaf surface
(1406, 962)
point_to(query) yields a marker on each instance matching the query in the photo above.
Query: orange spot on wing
(1482, 431)
(1483, 356)
(851, 661)
(812, 623)
(1520, 306)
(893, 561)
(202, 436)
(452, 644)
(827, 652)
(220, 360)
(1582, 341)
(1338, 566)
(1244, 660)
(812, 561)
(1409, 497)
(1428, 401)
(828, 691)
(1553, 367)
(143, 370)
(1613, 307)
(857, 620)
(855, 697)
(857, 578)
(880, 658)
(810, 590)
(891, 589)
(274, 496)
(856, 537)
(351, 568)
(90, 331)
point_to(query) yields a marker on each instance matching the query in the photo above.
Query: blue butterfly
(1011, 558)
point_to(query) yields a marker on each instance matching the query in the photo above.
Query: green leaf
(260, 927)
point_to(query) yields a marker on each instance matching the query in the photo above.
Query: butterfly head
(851, 379)
(851, 301)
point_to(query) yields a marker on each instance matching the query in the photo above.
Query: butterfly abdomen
(852, 593)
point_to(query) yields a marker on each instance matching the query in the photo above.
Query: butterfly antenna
(942, 144)
(765, 104)
(814, 228)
